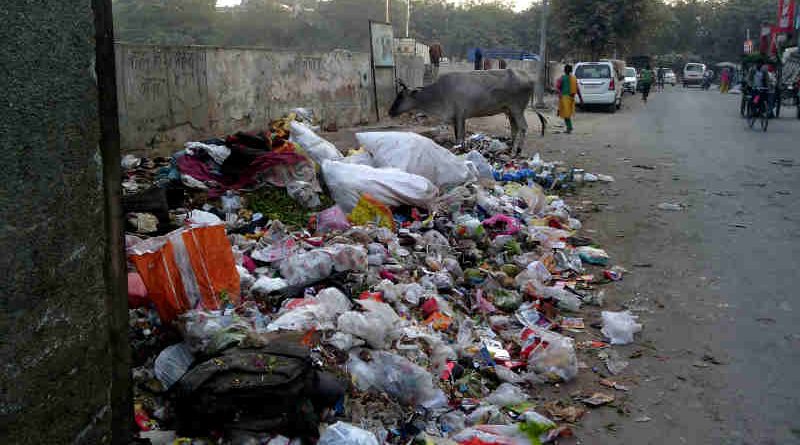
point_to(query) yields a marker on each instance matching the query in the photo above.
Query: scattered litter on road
(670, 206)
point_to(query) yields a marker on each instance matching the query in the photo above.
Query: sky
(519, 5)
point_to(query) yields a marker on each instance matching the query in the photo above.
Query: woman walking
(724, 81)
(567, 86)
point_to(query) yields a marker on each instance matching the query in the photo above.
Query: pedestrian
(646, 82)
(567, 87)
(660, 79)
(436, 52)
(724, 81)
(503, 64)
(478, 59)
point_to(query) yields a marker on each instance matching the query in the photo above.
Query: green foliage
(708, 30)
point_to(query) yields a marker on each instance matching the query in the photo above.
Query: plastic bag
(318, 148)
(348, 257)
(393, 187)
(487, 414)
(370, 210)
(341, 433)
(343, 342)
(452, 422)
(592, 255)
(331, 219)
(266, 285)
(619, 327)
(533, 196)
(507, 394)
(552, 356)
(564, 299)
(379, 326)
(359, 157)
(172, 363)
(510, 226)
(415, 154)
(306, 268)
(396, 376)
(319, 312)
(187, 267)
(219, 153)
(481, 164)
(304, 193)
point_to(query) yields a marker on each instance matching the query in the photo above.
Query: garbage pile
(424, 298)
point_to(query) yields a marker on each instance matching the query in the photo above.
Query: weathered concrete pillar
(64, 356)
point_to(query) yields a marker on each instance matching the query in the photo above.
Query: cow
(456, 97)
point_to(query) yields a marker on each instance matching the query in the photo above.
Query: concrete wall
(56, 379)
(169, 95)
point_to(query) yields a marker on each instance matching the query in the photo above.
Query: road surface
(714, 283)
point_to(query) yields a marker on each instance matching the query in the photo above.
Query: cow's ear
(414, 92)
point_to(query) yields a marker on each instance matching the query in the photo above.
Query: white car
(631, 81)
(669, 77)
(693, 74)
(600, 84)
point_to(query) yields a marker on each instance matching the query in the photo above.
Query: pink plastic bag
(332, 219)
(509, 224)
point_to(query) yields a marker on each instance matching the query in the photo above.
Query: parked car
(669, 76)
(630, 82)
(693, 74)
(600, 84)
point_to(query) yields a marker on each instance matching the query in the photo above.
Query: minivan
(693, 74)
(600, 84)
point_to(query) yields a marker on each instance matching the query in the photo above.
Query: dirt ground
(718, 361)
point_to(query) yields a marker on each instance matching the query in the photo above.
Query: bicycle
(757, 109)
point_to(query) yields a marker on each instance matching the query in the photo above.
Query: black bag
(270, 388)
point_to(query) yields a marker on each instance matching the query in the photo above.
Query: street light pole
(408, 17)
(540, 67)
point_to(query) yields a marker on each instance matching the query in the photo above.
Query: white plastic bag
(341, 433)
(318, 148)
(619, 327)
(219, 153)
(416, 154)
(267, 285)
(379, 326)
(507, 394)
(393, 187)
(320, 313)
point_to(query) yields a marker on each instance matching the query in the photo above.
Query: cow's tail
(542, 120)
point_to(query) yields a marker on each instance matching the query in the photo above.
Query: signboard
(748, 46)
(785, 15)
(382, 43)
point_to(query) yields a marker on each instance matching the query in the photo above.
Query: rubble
(439, 298)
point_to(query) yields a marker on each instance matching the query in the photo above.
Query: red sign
(785, 15)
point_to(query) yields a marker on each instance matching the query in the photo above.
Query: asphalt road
(714, 283)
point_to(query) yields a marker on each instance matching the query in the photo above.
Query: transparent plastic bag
(507, 394)
(485, 170)
(307, 267)
(348, 257)
(554, 357)
(341, 433)
(619, 327)
(396, 376)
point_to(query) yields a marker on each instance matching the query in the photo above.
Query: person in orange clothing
(567, 87)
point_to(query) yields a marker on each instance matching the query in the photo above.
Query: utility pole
(408, 17)
(540, 67)
(387, 11)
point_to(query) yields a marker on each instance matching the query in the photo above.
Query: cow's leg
(460, 128)
(518, 116)
(512, 121)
